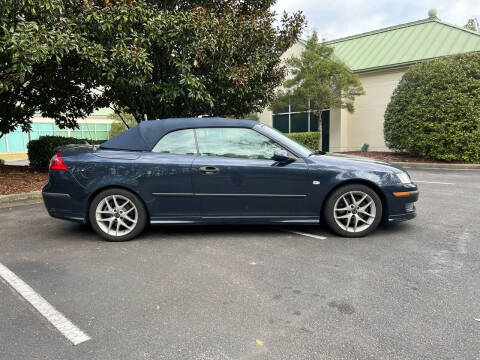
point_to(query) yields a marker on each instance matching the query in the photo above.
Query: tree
(435, 110)
(472, 24)
(317, 76)
(150, 58)
(44, 63)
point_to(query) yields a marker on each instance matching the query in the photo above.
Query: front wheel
(117, 215)
(353, 210)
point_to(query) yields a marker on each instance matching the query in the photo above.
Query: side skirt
(307, 220)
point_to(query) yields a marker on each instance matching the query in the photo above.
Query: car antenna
(89, 133)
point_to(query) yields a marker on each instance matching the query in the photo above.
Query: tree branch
(119, 113)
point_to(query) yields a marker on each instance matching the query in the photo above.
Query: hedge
(435, 110)
(41, 151)
(308, 139)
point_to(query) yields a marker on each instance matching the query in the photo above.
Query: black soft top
(145, 135)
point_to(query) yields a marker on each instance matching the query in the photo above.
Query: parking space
(408, 291)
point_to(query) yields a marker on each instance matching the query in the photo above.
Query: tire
(349, 218)
(121, 214)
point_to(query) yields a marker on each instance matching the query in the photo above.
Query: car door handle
(209, 170)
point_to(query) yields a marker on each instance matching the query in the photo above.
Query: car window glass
(235, 142)
(289, 142)
(177, 142)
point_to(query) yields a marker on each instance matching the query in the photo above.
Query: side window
(177, 142)
(235, 142)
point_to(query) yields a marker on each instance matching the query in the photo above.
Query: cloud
(338, 18)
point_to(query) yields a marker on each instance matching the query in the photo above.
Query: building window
(291, 119)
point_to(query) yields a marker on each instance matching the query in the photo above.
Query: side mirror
(282, 157)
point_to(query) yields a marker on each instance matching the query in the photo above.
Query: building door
(326, 130)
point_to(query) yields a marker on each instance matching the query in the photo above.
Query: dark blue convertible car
(219, 171)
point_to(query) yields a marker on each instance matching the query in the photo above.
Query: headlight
(404, 178)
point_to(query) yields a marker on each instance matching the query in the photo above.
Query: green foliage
(251, 116)
(308, 139)
(152, 58)
(472, 24)
(45, 63)
(118, 126)
(435, 110)
(40, 151)
(319, 77)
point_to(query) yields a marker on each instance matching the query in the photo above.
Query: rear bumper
(47, 195)
(61, 205)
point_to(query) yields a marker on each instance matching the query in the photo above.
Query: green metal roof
(404, 44)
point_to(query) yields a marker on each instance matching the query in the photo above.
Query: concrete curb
(437, 165)
(33, 197)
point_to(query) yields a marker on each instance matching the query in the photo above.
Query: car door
(234, 176)
(167, 176)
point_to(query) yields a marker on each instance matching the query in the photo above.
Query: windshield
(291, 144)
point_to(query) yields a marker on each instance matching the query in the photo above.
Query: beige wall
(99, 117)
(90, 119)
(294, 51)
(337, 130)
(348, 132)
(365, 125)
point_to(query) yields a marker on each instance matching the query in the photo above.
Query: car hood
(354, 163)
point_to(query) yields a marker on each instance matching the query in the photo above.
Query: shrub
(308, 139)
(435, 110)
(41, 151)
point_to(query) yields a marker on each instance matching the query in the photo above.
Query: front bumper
(400, 201)
(402, 217)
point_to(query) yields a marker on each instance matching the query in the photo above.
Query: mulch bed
(19, 179)
(395, 157)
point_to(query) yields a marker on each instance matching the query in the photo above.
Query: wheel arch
(106, 187)
(368, 183)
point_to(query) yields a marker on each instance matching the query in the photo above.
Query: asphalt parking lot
(408, 291)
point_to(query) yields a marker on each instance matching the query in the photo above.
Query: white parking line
(433, 182)
(65, 326)
(303, 234)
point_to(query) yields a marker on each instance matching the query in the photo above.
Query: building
(96, 127)
(379, 58)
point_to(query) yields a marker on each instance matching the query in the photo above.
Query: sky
(338, 18)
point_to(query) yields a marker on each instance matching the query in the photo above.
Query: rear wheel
(353, 210)
(117, 215)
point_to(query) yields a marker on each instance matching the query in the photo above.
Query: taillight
(57, 162)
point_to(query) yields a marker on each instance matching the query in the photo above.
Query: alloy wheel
(354, 211)
(116, 215)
